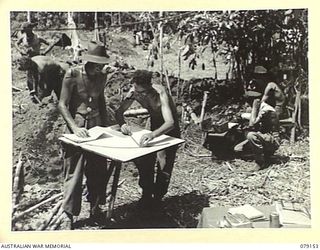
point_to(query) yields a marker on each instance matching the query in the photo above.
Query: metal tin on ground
(274, 220)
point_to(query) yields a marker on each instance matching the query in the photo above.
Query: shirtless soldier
(164, 120)
(46, 75)
(29, 45)
(82, 105)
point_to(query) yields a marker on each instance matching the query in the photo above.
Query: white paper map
(112, 144)
(94, 134)
(126, 141)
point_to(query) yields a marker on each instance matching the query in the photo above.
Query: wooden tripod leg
(110, 170)
(114, 187)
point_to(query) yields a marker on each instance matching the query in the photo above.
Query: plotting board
(111, 143)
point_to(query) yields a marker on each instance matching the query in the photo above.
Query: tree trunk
(96, 36)
(179, 72)
(28, 16)
(119, 18)
(161, 47)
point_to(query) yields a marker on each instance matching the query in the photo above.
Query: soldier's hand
(126, 129)
(81, 132)
(256, 104)
(145, 139)
(107, 69)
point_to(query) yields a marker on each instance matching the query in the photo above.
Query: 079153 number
(309, 246)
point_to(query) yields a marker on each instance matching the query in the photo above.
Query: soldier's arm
(17, 46)
(102, 108)
(35, 76)
(167, 116)
(165, 110)
(267, 92)
(125, 104)
(125, 128)
(254, 113)
(43, 41)
(49, 46)
(66, 92)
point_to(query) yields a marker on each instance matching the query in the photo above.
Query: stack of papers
(294, 217)
(293, 213)
(248, 211)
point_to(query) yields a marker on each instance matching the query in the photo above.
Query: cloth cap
(251, 93)
(260, 70)
(96, 53)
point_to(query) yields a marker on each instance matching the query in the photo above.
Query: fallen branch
(14, 88)
(267, 176)
(53, 222)
(16, 180)
(300, 157)
(229, 166)
(57, 221)
(36, 206)
(51, 215)
(33, 202)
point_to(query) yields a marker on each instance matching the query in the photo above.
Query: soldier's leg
(271, 145)
(240, 147)
(166, 160)
(74, 163)
(146, 165)
(30, 83)
(96, 180)
(257, 142)
(73, 176)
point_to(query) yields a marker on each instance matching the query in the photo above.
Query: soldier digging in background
(46, 75)
(29, 45)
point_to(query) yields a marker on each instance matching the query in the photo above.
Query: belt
(275, 135)
(89, 115)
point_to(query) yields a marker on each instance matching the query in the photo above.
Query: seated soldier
(263, 139)
(271, 92)
(164, 120)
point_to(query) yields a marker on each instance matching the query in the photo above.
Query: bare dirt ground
(198, 180)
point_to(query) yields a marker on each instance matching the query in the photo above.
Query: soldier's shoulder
(159, 88)
(130, 94)
(72, 72)
(272, 85)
